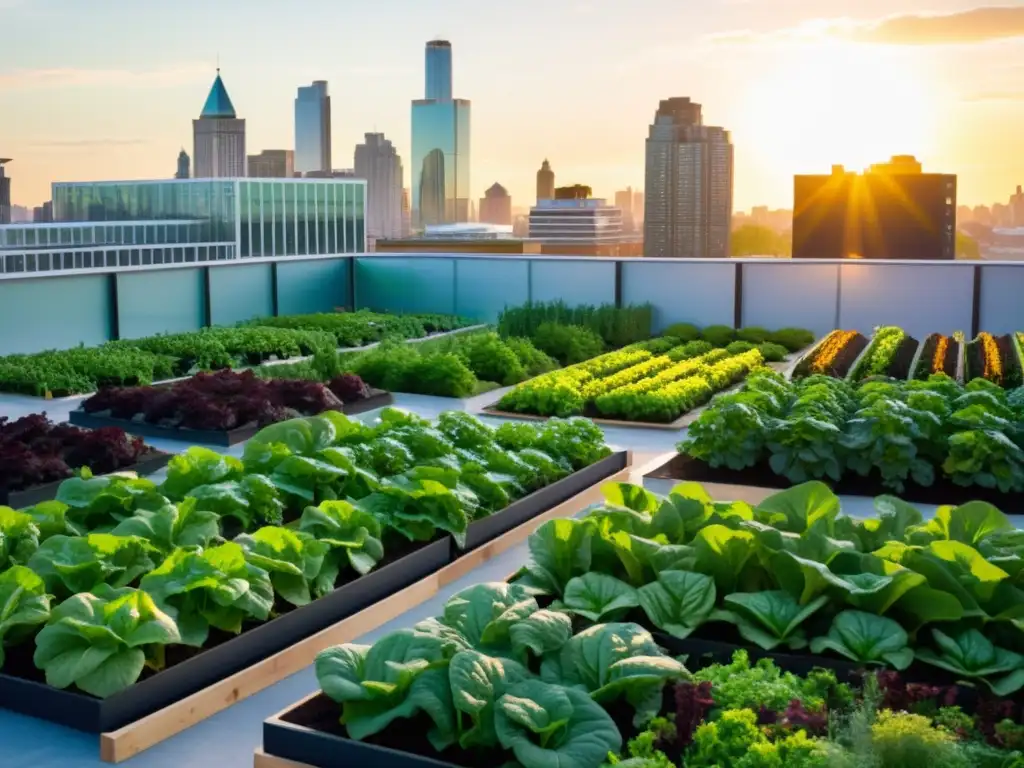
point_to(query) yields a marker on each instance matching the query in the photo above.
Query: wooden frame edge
(138, 736)
(261, 759)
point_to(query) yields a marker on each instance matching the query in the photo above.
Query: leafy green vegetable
(24, 605)
(678, 602)
(477, 683)
(868, 639)
(19, 537)
(971, 654)
(769, 619)
(599, 597)
(353, 536)
(70, 564)
(196, 467)
(172, 525)
(293, 560)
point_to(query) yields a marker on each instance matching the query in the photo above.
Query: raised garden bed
(938, 354)
(833, 356)
(722, 481)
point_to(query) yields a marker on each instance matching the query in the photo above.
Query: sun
(821, 104)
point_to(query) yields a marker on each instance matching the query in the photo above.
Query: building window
(30, 262)
(79, 261)
(136, 260)
(179, 256)
(123, 258)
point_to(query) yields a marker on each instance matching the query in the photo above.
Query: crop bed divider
(917, 359)
(864, 352)
(124, 743)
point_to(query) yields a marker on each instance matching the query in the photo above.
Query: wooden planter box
(378, 399)
(148, 463)
(181, 696)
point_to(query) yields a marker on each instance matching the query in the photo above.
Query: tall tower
(218, 137)
(688, 184)
(440, 145)
(377, 161)
(545, 182)
(184, 164)
(5, 193)
(313, 129)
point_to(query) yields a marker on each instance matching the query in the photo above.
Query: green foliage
(754, 334)
(490, 359)
(616, 326)
(718, 335)
(568, 343)
(71, 564)
(685, 332)
(793, 339)
(772, 352)
(532, 359)
(738, 347)
(24, 605)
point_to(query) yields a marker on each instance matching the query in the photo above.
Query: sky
(107, 89)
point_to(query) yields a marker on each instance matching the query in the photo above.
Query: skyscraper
(624, 201)
(406, 213)
(440, 145)
(496, 206)
(184, 164)
(377, 161)
(545, 182)
(688, 184)
(5, 193)
(313, 128)
(218, 137)
(272, 164)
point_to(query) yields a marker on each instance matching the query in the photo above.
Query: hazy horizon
(90, 92)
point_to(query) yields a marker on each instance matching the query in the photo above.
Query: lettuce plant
(101, 641)
(867, 639)
(598, 597)
(769, 619)
(172, 525)
(24, 605)
(352, 535)
(293, 560)
(94, 502)
(678, 602)
(196, 467)
(19, 537)
(477, 683)
(253, 500)
(972, 655)
(71, 564)
(211, 587)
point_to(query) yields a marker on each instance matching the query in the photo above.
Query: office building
(184, 165)
(638, 208)
(313, 128)
(440, 146)
(688, 184)
(132, 224)
(496, 206)
(891, 211)
(406, 213)
(624, 201)
(575, 223)
(272, 164)
(43, 213)
(218, 137)
(545, 182)
(5, 192)
(20, 214)
(463, 238)
(377, 161)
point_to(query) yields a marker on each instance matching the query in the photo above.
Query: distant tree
(756, 240)
(966, 246)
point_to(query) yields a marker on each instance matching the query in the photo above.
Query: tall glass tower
(313, 128)
(440, 145)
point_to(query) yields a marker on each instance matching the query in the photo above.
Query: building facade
(184, 165)
(496, 206)
(132, 224)
(688, 184)
(545, 182)
(5, 193)
(891, 211)
(440, 146)
(313, 128)
(272, 164)
(218, 137)
(377, 161)
(585, 226)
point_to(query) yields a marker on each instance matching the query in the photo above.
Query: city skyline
(947, 86)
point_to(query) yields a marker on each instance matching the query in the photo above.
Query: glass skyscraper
(440, 145)
(99, 225)
(313, 129)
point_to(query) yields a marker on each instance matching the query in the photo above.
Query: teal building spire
(218, 103)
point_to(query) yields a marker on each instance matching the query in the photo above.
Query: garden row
(935, 440)
(892, 352)
(576, 661)
(157, 358)
(118, 581)
(654, 381)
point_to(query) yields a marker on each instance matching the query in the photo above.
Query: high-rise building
(218, 137)
(688, 184)
(43, 213)
(638, 208)
(406, 213)
(272, 164)
(377, 161)
(184, 165)
(496, 206)
(574, 223)
(5, 193)
(545, 182)
(440, 146)
(313, 128)
(624, 201)
(891, 211)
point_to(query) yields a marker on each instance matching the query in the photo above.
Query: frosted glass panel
(411, 284)
(574, 282)
(790, 295)
(484, 287)
(1002, 299)
(681, 292)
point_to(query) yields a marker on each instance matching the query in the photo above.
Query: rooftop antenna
(218, 62)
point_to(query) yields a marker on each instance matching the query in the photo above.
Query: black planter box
(944, 491)
(150, 462)
(289, 736)
(378, 399)
(86, 713)
(528, 507)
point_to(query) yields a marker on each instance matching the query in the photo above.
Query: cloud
(88, 143)
(35, 79)
(975, 25)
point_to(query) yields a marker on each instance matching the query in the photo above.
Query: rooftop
(218, 104)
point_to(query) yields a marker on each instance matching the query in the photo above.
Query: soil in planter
(840, 364)
(944, 491)
(899, 368)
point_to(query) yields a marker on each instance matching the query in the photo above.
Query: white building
(218, 137)
(313, 129)
(377, 161)
(688, 185)
(580, 221)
